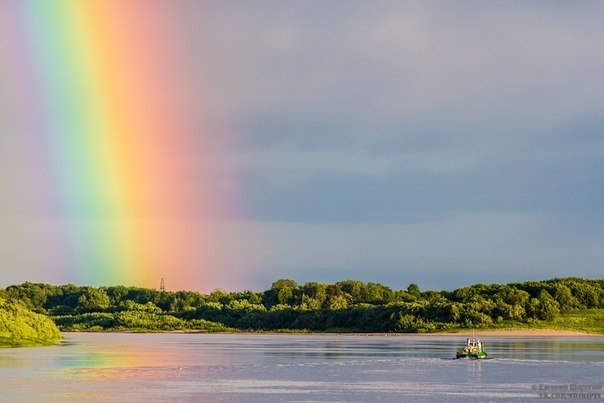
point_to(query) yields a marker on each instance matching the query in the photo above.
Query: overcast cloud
(436, 142)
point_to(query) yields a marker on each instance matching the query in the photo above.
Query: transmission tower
(162, 285)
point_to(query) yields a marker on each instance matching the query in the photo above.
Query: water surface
(299, 368)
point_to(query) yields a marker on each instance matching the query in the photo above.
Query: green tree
(353, 288)
(282, 292)
(314, 295)
(565, 298)
(32, 295)
(93, 300)
(413, 289)
(547, 307)
(377, 294)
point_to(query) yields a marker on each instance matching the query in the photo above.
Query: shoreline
(521, 333)
(464, 334)
(481, 333)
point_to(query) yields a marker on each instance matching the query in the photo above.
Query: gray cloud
(389, 87)
(442, 252)
(420, 60)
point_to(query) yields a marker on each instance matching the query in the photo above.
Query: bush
(20, 326)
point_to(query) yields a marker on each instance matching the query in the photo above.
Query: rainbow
(102, 92)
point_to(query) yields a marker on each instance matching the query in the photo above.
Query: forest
(346, 306)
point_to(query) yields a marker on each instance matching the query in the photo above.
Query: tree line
(345, 306)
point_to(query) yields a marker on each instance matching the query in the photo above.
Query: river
(127, 367)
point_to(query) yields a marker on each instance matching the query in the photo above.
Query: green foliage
(585, 320)
(93, 300)
(21, 327)
(413, 289)
(349, 305)
(547, 307)
(282, 292)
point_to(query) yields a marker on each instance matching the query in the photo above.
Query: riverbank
(521, 333)
(477, 333)
(485, 333)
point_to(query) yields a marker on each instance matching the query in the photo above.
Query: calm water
(298, 368)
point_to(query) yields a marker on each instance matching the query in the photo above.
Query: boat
(473, 349)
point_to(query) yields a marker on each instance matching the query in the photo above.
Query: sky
(439, 143)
